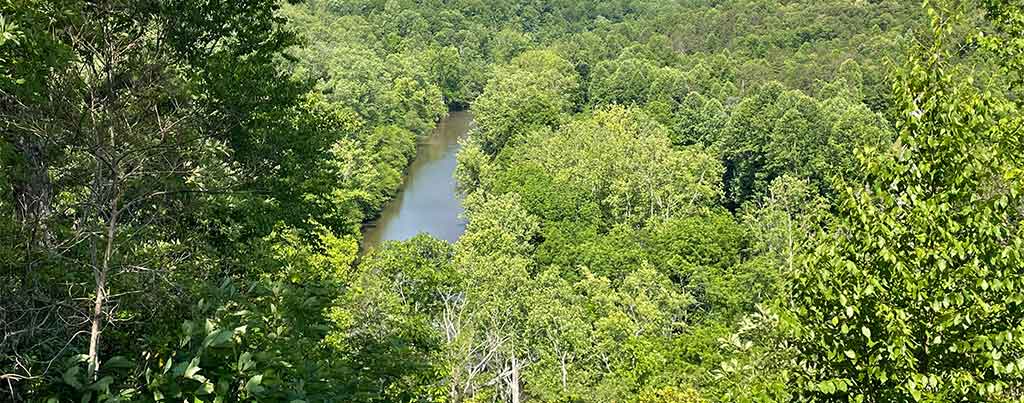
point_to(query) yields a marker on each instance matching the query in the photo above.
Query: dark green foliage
(778, 131)
(162, 148)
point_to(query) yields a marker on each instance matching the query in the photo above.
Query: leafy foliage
(914, 298)
(695, 201)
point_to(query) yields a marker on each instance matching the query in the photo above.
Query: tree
(507, 44)
(698, 120)
(538, 89)
(1000, 38)
(624, 82)
(915, 295)
(622, 160)
(397, 320)
(778, 131)
(558, 322)
(130, 123)
(494, 258)
(782, 227)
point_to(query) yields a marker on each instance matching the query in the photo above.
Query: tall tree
(537, 89)
(916, 296)
(120, 119)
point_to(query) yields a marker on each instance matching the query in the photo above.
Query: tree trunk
(97, 316)
(101, 292)
(514, 381)
(451, 326)
(565, 374)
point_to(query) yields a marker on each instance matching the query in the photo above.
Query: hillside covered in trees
(666, 201)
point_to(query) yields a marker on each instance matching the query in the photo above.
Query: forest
(665, 201)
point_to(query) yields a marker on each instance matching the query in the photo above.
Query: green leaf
(103, 384)
(70, 377)
(167, 366)
(118, 362)
(217, 338)
(253, 385)
(79, 358)
(916, 394)
(205, 389)
(245, 361)
(192, 369)
(841, 385)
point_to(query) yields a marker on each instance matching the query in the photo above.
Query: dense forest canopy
(665, 201)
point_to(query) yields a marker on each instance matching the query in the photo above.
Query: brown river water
(428, 200)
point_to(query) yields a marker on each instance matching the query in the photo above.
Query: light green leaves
(253, 385)
(923, 258)
(832, 386)
(191, 369)
(217, 338)
(8, 31)
(245, 361)
(623, 162)
(536, 90)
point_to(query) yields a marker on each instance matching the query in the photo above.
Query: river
(428, 200)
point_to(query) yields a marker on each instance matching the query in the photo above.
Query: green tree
(781, 228)
(153, 149)
(698, 120)
(914, 297)
(494, 256)
(622, 160)
(778, 131)
(624, 82)
(394, 323)
(560, 329)
(538, 89)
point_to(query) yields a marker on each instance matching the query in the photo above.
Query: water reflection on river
(428, 201)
